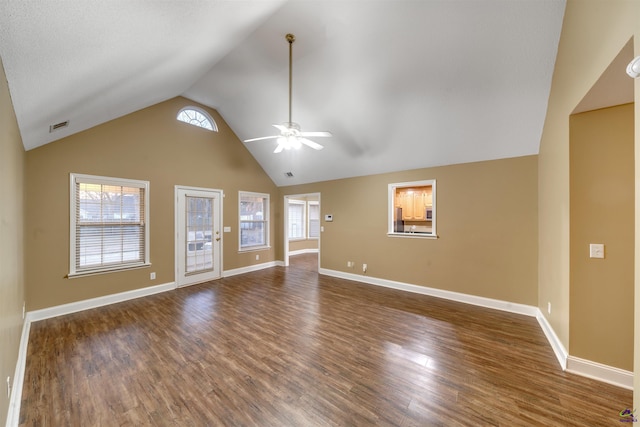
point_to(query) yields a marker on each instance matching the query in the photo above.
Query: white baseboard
(511, 307)
(586, 368)
(303, 251)
(250, 268)
(598, 371)
(13, 415)
(556, 345)
(74, 307)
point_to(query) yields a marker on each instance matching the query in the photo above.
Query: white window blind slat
(109, 226)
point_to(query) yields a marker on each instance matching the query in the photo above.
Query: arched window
(197, 117)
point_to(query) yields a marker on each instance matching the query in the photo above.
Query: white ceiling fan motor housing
(633, 69)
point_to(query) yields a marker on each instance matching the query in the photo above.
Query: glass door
(198, 237)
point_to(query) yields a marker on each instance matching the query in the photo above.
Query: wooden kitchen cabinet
(414, 203)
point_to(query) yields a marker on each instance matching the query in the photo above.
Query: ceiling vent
(288, 174)
(58, 126)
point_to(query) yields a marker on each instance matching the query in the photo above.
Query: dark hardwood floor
(287, 347)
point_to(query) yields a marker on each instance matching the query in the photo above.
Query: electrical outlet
(549, 307)
(24, 310)
(350, 264)
(257, 257)
(152, 276)
(8, 387)
(364, 268)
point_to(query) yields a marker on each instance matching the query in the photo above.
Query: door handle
(217, 239)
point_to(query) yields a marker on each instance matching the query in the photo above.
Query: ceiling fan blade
(279, 148)
(281, 128)
(316, 134)
(261, 138)
(310, 143)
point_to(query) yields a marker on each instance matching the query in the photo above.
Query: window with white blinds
(109, 224)
(296, 219)
(254, 220)
(314, 219)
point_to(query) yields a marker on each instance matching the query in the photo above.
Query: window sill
(107, 270)
(254, 248)
(414, 235)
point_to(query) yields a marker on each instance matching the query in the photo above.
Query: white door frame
(286, 222)
(217, 226)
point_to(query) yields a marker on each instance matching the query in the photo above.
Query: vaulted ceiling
(401, 84)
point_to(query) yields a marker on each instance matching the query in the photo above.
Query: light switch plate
(596, 250)
(227, 229)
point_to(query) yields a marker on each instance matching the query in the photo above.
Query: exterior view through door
(198, 235)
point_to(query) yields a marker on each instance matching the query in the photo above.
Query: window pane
(109, 227)
(252, 208)
(254, 220)
(314, 220)
(199, 250)
(296, 220)
(252, 233)
(197, 118)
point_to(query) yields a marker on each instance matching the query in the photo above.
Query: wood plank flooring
(289, 347)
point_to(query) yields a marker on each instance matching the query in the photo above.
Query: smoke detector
(633, 69)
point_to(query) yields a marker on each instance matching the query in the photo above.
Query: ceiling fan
(290, 134)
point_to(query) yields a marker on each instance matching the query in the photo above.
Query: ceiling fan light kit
(633, 69)
(290, 134)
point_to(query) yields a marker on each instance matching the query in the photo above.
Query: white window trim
(92, 179)
(266, 221)
(391, 202)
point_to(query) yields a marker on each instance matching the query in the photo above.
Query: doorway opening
(302, 228)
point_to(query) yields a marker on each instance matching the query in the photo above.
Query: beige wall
(487, 227)
(12, 283)
(593, 33)
(602, 211)
(149, 145)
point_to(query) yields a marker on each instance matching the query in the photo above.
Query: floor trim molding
(556, 345)
(73, 307)
(250, 268)
(598, 371)
(527, 310)
(13, 415)
(303, 251)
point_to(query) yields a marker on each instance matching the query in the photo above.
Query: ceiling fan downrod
(290, 38)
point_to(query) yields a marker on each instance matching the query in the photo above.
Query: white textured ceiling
(400, 84)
